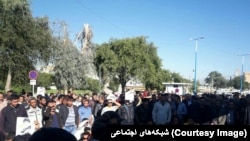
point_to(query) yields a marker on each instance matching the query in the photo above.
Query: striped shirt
(71, 117)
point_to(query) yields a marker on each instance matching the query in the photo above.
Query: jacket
(9, 117)
(64, 112)
(47, 117)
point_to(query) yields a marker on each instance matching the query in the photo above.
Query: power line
(102, 18)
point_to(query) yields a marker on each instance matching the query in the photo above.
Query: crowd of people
(87, 116)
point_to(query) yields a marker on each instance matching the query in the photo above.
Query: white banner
(41, 91)
(130, 95)
(24, 126)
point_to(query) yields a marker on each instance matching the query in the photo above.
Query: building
(48, 69)
(135, 84)
(247, 77)
(177, 88)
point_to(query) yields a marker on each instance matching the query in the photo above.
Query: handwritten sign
(41, 91)
(24, 126)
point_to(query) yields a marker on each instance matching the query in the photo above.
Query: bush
(93, 85)
(18, 89)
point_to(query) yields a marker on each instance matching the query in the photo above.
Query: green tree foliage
(114, 84)
(45, 79)
(215, 79)
(128, 58)
(69, 67)
(151, 73)
(177, 78)
(92, 85)
(162, 75)
(24, 40)
(191, 88)
(105, 62)
(236, 82)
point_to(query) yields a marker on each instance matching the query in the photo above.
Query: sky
(170, 25)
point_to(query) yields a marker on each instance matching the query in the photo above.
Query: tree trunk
(65, 90)
(123, 84)
(106, 83)
(8, 81)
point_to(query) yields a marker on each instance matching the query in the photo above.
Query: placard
(130, 95)
(41, 91)
(24, 126)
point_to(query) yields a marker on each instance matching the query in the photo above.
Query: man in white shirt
(35, 113)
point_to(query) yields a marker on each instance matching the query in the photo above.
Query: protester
(9, 114)
(112, 105)
(127, 113)
(157, 109)
(143, 114)
(162, 111)
(35, 113)
(100, 126)
(51, 116)
(3, 101)
(85, 111)
(69, 115)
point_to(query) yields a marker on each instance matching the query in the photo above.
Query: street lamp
(242, 72)
(195, 70)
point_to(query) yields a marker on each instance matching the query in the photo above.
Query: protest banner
(24, 126)
(130, 95)
(41, 91)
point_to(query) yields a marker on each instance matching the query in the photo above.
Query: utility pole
(242, 71)
(195, 67)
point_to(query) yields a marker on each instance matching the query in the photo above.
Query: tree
(163, 75)
(24, 41)
(149, 75)
(236, 82)
(92, 84)
(69, 64)
(126, 59)
(216, 80)
(177, 78)
(87, 50)
(45, 79)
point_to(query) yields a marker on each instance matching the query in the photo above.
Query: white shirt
(107, 108)
(35, 114)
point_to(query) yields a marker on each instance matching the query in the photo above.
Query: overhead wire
(102, 18)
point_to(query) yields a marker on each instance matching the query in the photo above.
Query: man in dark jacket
(10, 113)
(51, 116)
(69, 115)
